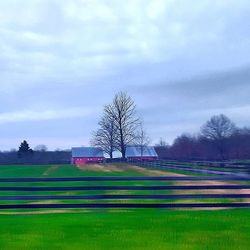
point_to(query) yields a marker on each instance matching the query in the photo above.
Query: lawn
(140, 229)
(114, 228)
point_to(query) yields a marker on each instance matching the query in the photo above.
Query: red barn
(85, 155)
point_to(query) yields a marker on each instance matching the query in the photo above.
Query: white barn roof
(135, 151)
(87, 152)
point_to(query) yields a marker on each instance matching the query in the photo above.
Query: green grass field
(140, 229)
(116, 229)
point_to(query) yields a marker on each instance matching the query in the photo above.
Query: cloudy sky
(61, 61)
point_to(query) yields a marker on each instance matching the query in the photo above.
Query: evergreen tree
(24, 150)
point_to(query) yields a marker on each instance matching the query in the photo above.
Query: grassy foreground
(115, 229)
(140, 229)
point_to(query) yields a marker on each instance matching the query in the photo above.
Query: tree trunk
(123, 152)
(111, 154)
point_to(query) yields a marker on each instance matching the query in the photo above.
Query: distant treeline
(219, 139)
(36, 157)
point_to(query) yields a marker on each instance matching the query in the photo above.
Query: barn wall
(86, 160)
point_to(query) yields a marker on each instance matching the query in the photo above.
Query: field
(114, 228)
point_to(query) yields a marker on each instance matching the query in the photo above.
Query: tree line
(120, 126)
(38, 155)
(219, 139)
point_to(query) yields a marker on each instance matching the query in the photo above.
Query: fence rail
(128, 205)
(125, 188)
(127, 178)
(122, 197)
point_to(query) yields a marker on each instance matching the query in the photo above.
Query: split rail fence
(26, 192)
(210, 168)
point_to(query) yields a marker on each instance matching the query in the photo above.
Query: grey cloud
(180, 62)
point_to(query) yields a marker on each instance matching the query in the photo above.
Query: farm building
(136, 153)
(84, 155)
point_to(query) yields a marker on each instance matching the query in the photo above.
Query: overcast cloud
(61, 61)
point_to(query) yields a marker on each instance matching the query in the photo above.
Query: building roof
(135, 151)
(87, 152)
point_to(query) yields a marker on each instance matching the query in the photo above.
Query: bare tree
(161, 143)
(217, 130)
(184, 146)
(142, 139)
(41, 148)
(105, 136)
(123, 112)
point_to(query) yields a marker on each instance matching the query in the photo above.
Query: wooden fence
(157, 200)
(198, 167)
